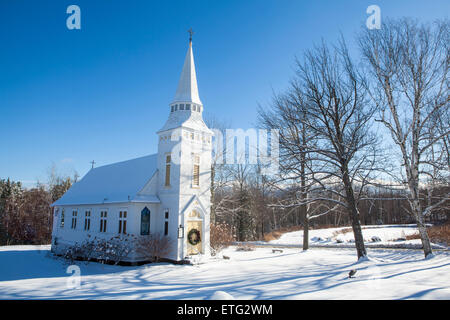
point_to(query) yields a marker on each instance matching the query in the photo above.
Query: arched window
(145, 222)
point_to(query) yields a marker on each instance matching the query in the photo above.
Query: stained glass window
(145, 221)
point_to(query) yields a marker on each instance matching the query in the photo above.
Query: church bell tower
(184, 164)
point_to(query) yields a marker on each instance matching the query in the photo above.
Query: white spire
(187, 90)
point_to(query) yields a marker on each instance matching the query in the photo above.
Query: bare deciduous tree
(338, 114)
(288, 114)
(220, 175)
(326, 144)
(408, 63)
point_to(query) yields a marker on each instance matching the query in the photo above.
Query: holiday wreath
(194, 236)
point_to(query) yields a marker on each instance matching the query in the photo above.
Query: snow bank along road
(30, 272)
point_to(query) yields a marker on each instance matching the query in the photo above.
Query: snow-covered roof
(185, 119)
(115, 183)
(187, 90)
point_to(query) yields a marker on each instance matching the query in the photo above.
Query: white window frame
(103, 220)
(73, 225)
(123, 213)
(87, 219)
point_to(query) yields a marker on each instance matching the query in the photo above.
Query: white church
(167, 193)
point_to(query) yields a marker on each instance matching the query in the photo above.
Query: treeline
(26, 214)
(250, 216)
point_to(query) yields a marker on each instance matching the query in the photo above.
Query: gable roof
(190, 203)
(115, 183)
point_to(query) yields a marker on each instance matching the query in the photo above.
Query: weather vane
(190, 34)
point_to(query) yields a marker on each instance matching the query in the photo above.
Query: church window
(176, 107)
(168, 160)
(172, 109)
(103, 220)
(188, 106)
(62, 219)
(194, 107)
(123, 222)
(87, 220)
(192, 136)
(74, 219)
(181, 106)
(166, 222)
(196, 173)
(145, 222)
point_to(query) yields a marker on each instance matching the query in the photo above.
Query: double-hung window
(74, 219)
(87, 220)
(103, 220)
(122, 222)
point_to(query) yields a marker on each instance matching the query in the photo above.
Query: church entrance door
(194, 237)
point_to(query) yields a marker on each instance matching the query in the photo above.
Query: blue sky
(100, 93)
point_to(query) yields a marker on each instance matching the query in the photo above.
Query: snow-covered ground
(30, 272)
(374, 235)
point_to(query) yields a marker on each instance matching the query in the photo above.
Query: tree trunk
(417, 210)
(422, 229)
(262, 229)
(304, 208)
(305, 233)
(424, 236)
(359, 240)
(275, 225)
(354, 216)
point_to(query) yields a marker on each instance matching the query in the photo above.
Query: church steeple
(186, 108)
(187, 90)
